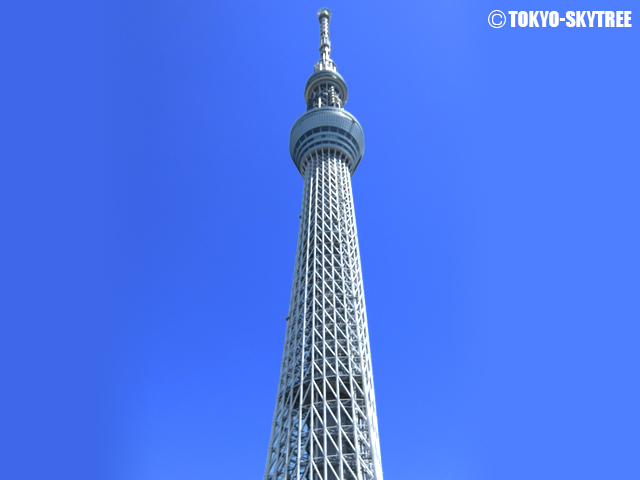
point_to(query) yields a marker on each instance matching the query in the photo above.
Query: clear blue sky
(498, 215)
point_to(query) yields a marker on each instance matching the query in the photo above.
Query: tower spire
(324, 16)
(325, 63)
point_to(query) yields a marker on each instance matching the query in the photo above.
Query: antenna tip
(324, 12)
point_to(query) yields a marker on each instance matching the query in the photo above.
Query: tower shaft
(325, 425)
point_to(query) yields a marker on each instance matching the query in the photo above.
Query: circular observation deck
(328, 128)
(326, 76)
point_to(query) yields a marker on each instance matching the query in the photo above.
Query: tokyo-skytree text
(325, 425)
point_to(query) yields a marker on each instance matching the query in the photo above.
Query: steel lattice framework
(325, 423)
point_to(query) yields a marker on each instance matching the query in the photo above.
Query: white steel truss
(325, 424)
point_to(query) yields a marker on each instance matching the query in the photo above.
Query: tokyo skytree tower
(325, 425)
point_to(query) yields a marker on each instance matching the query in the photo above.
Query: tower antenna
(325, 63)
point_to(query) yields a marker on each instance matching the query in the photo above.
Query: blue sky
(497, 206)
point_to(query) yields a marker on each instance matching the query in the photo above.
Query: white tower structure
(325, 425)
